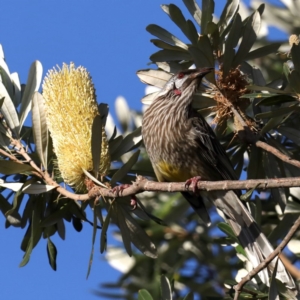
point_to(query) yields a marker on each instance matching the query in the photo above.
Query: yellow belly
(172, 173)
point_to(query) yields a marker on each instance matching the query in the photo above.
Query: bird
(182, 147)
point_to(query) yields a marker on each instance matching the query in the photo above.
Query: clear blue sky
(109, 39)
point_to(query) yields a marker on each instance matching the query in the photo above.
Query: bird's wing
(211, 149)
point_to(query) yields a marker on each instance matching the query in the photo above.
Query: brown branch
(249, 137)
(277, 153)
(238, 288)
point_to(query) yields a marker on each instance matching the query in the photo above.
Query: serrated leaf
(119, 175)
(9, 111)
(32, 85)
(96, 142)
(144, 295)
(52, 253)
(194, 10)
(208, 7)
(166, 36)
(154, 77)
(251, 30)
(39, 128)
(166, 292)
(8, 167)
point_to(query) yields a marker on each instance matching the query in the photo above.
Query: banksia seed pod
(71, 107)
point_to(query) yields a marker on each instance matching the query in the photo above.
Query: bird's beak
(203, 71)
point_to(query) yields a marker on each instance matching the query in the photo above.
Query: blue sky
(110, 40)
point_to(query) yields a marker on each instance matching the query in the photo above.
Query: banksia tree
(67, 173)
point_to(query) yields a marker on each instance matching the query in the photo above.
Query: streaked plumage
(181, 145)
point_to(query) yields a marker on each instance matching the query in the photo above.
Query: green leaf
(122, 172)
(12, 216)
(208, 7)
(194, 10)
(103, 237)
(177, 17)
(103, 111)
(39, 127)
(9, 111)
(291, 133)
(231, 42)
(263, 51)
(249, 37)
(189, 296)
(32, 85)
(295, 51)
(273, 292)
(294, 80)
(165, 35)
(228, 230)
(279, 112)
(275, 100)
(8, 167)
(144, 295)
(93, 243)
(163, 45)
(228, 13)
(138, 235)
(267, 89)
(130, 142)
(166, 292)
(96, 143)
(124, 229)
(16, 88)
(154, 77)
(170, 55)
(6, 78)
(52, 253)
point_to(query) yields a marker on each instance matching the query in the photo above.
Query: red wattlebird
(181, 145)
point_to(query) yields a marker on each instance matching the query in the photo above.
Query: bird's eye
(180, 75)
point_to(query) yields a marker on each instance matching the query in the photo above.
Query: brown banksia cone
(71, 107)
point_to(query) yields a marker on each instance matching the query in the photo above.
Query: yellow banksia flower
(71, 107)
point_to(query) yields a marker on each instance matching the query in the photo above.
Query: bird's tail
(255, 243)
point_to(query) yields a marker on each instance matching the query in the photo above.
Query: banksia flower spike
(71, 107)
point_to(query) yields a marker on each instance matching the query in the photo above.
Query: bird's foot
(120, 188)
(193, 182)
(118, 191)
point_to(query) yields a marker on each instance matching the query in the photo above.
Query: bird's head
(185, 80)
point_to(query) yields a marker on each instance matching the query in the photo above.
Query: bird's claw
(120, 188)
(193, 182)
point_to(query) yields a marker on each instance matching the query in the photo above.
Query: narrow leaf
(208, 7)
(9, 111)
(119, 175)
(263, 51)
(52, 253)
(96, 143)
(39, 127)
(165, 35)
(228, 14)
(194, 10)
(154, 77)
(103, 237)
(93, 243)
(144, 295)
(166, 292)
(32, 85)
(8, 167)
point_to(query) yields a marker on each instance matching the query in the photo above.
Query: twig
(238, 288)
(277, 153)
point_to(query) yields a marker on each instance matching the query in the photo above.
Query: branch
(238, 288)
